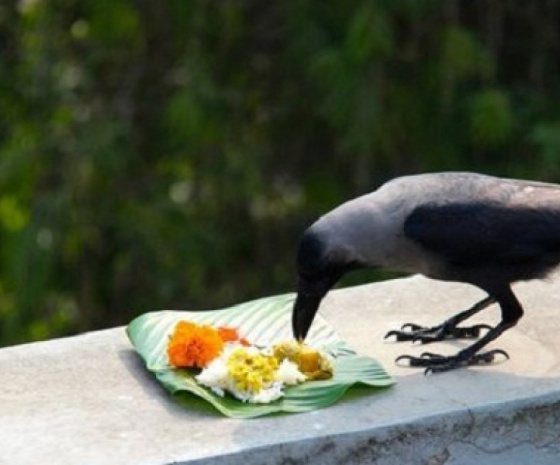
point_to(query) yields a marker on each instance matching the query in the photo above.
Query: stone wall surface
(89, 400)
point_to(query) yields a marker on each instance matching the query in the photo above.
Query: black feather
(512, 243)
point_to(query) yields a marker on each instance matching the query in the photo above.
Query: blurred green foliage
(168, 154)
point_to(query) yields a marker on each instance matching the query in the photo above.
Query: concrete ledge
(88, 399)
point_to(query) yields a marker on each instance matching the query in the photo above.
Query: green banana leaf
(263, 322)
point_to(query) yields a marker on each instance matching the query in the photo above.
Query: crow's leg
(447, 330)
(511, 313)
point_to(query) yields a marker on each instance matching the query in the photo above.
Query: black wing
(524, 240)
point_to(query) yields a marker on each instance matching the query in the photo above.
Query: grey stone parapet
(89, 400)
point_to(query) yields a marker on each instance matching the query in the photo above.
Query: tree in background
(167, 154)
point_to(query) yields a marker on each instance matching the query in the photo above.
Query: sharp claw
(411, 327)
(502, 352)
(404, 357)
(391, 333)
(399, 335)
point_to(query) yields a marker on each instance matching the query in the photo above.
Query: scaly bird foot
(416, 333)
(435, 363)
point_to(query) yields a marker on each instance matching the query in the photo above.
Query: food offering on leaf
(227, 362)
(312, 363)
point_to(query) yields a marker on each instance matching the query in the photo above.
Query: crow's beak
(310, 294)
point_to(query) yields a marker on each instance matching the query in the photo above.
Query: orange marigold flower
(192, 345)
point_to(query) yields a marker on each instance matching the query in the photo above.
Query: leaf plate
(263, 322)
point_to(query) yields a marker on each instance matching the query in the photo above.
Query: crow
(454, 226)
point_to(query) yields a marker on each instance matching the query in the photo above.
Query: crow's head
(320, 264)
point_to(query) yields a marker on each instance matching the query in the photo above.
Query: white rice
(215, 376)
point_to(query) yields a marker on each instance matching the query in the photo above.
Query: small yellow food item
(309, 360)
(312, 363)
